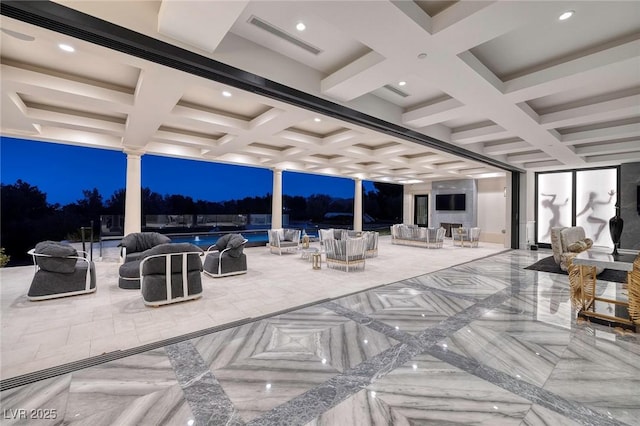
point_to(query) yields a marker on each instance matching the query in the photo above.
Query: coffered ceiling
(506, 80)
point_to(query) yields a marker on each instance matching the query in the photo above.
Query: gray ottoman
(129, 275)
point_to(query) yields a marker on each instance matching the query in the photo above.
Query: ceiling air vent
(395, 90)
(283, 35)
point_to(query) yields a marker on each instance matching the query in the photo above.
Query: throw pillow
(577, 247)
(59, 261)
(222, 242)
(589, 242)
(289, 234)
(235, 245)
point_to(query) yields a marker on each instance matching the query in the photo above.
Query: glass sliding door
(554, 203)
(421, 210)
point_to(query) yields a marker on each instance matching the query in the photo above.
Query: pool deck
(39, 335)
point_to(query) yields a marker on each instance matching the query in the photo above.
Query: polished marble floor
(485, 342)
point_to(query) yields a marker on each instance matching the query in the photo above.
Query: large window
(584, 198)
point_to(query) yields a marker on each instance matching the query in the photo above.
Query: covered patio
(40, 335)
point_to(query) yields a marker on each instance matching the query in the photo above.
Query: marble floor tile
(404, 307)
(426, 390)
(484, 342)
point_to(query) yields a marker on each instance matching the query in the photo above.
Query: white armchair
(283, 240)
(346, 254)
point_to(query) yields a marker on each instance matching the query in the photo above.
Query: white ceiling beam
(42, 85)
(593, 113)
(364, 75)
(615, 132)
(14, 115)
(158, 90)
(438, 112)
(199, 141)
(524, 158)
(467, 24)
(202, 24)
(507, 148)
(72, 121)
(625, 157)
(589, 69)
(609, 148)
(478, 134)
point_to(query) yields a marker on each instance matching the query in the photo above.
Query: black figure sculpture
(615, 228)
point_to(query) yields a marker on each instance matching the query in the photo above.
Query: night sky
(63, 171)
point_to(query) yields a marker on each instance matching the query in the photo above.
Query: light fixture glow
(66, 47)
(324, 360)
(566, 15)
(415, 366)
(301, 26)
(226, 94)
(365, 341)
(317, 120)
(402, 83)
(268, 386)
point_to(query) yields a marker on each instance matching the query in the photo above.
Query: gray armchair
(170, 273)
(60, 272)
(226, 257)
(132, 245)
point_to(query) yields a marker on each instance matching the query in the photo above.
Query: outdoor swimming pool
(255, 237)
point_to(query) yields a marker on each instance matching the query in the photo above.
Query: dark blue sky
(63, 171)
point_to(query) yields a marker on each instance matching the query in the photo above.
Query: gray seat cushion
(46, 283)
(129, 275)
(229, 264)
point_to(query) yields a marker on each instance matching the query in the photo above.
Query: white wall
(491, 209)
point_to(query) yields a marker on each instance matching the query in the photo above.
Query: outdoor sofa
(417, 236)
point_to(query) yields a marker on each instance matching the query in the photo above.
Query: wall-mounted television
(450, 202)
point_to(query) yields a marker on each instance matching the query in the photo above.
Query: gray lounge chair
(60, 272)
(170, 273)
(226, 257)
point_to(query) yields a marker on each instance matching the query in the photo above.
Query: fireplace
(448, 227)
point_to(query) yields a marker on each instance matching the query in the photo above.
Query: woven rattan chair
(346, 254)
(634, 292)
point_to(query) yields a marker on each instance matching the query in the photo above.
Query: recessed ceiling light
(301, 26)
(566, 15)
(66, 47)
(226, 94)
(317, 120)
(402, 83)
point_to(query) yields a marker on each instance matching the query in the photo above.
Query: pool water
(208, 240)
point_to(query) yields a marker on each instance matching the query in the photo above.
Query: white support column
(133, 194)
(276, 200)
(357, 205)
